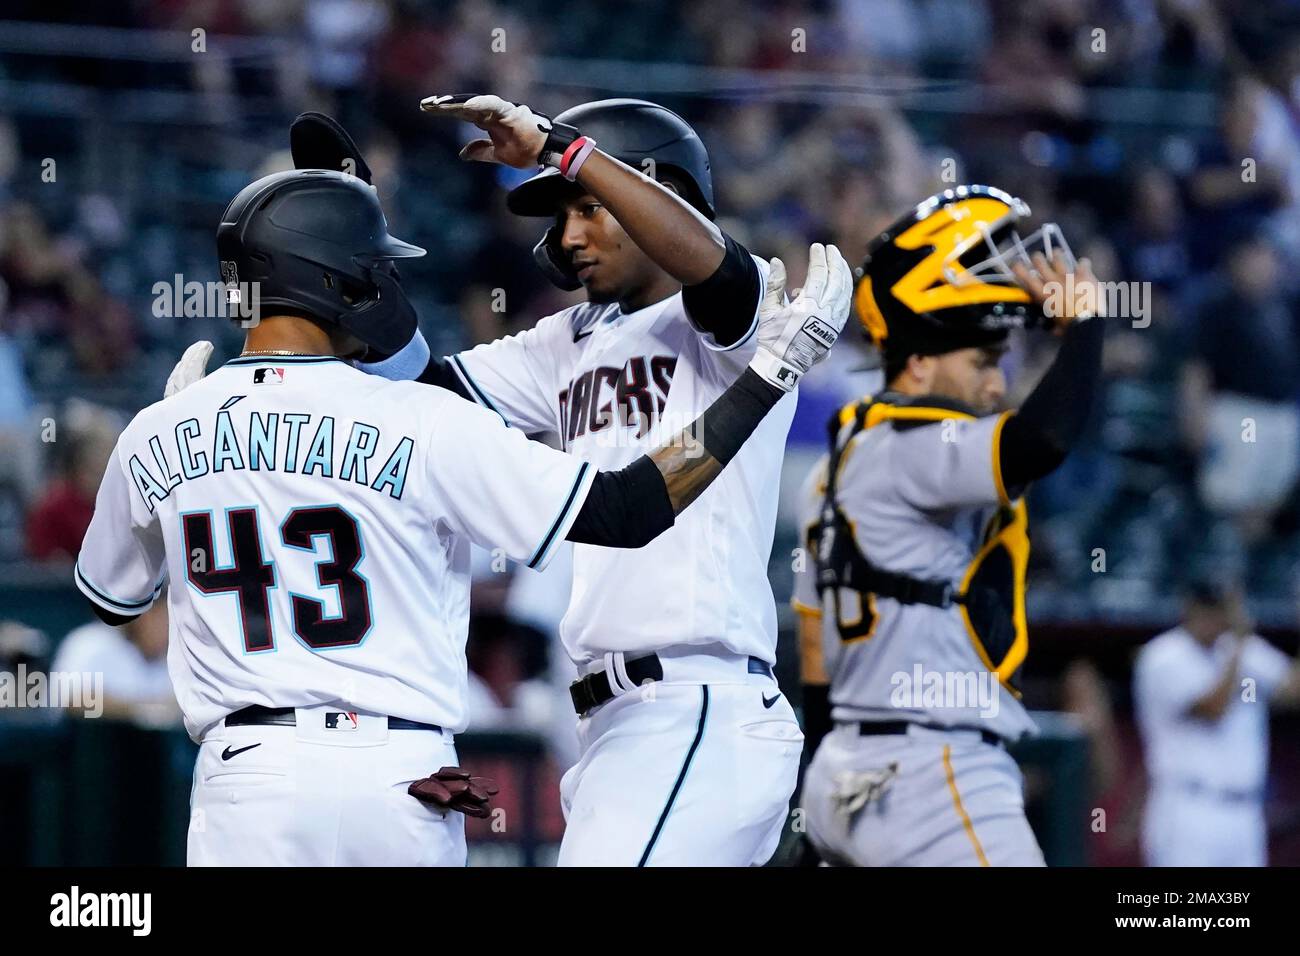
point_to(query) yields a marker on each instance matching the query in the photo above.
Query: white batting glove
(517, 133)
(192, 367)
(795, 336)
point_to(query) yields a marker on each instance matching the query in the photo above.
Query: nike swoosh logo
(228, 753)
(768, 703)
(582, 335)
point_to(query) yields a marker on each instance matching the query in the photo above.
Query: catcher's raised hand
(516, 134)
(1065, 295)
(795, 336)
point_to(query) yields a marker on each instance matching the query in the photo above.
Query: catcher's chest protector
(989, 598)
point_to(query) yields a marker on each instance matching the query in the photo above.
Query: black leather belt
(258, 716)
(872, 728)
(595, 689)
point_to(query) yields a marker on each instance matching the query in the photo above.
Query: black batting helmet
(316, 242)
(646, 136)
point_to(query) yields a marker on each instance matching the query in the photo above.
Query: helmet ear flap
(385, 320)
(550, 258)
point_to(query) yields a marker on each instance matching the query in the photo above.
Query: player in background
(1202, 692)
(912, 620)
(315, 524)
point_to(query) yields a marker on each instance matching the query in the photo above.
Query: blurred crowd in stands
(1163, 136)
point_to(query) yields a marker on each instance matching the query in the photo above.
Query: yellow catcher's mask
(940, 277)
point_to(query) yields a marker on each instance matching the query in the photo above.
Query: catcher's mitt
(452, 788)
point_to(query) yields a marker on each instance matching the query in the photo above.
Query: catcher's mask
(940, 279)
(648, 137)
(317, 243)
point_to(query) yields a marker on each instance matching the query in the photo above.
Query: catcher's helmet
(940, 279)
(646, 136)
(317, 244)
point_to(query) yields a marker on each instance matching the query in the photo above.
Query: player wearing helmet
(912, 619)
(315, 523)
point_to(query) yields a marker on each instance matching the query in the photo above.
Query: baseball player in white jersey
(912, 603)
(698, 767)
(1202, 692)
(314, 522)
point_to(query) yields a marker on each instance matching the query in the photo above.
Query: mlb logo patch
(268, 376)
(341, 721)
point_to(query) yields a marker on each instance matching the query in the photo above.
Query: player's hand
(192, 367)
(452, 788)
(516, 134)
(1065, 296)
(795, 336)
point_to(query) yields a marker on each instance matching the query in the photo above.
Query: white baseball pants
(683, 773)
(312, 796)
(924, 798)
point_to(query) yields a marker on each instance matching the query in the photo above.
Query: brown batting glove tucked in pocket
(452, 788)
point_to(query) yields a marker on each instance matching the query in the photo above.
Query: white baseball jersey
(1172, 672)
(315, 524)
(613, 385)
(920, 496)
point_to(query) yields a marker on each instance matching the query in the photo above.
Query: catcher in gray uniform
(912, 618)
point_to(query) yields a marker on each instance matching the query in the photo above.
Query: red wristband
(575, 156)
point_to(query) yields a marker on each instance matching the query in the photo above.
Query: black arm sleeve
(630, 507)
(1037, 438)
(108, 617)
(439, 372)
(724, 303)
(627, 508)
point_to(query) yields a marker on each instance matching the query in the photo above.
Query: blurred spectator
(1276, 110)
(133, 662)
(1239, 390)
(57, 521)
(1153, 248)
(340, 33)
(509, 687)
(53, 298)
(506, 662)
(21, 645)
(1230, 184)
(1202, 693)
(19, 462)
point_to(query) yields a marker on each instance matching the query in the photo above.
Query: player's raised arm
(1037, 438)
(527, 496)
(720, 279)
